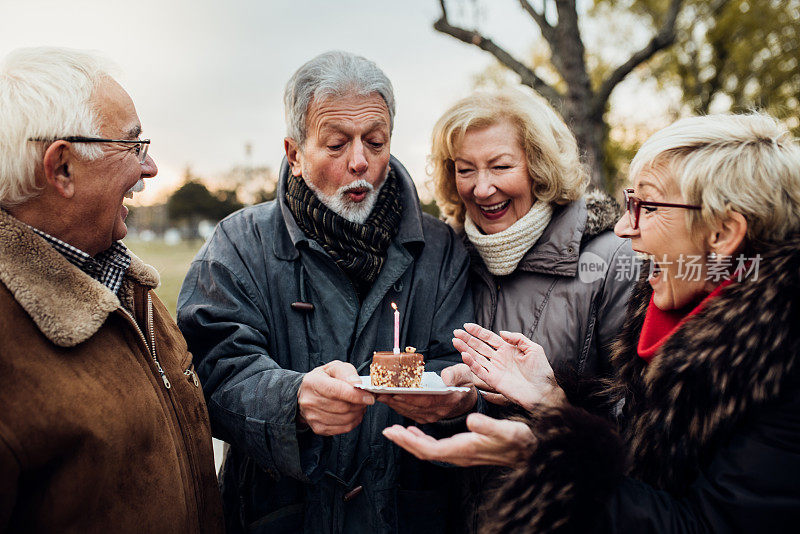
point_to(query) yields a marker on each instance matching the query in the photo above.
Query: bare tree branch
(444, 10)
(527, 76)
(662, 39)
(541, 21)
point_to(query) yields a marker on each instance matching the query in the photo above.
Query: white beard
(356, 212)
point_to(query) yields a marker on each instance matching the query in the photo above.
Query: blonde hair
(556, 172)
(748, 163)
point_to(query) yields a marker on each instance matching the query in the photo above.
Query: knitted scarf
(502, 252)
(358, 249)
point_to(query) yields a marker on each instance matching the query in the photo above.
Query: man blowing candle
(285, 304)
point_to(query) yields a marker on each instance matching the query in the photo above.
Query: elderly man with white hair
(103, 426)
(285, 304)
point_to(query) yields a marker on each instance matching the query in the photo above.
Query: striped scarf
(358, 249)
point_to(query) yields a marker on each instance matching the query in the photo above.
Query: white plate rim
(411, 391)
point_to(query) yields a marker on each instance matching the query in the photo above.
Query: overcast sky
(207, 77)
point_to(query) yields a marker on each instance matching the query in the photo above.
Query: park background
(207, 79)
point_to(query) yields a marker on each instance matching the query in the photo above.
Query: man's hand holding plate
(327, 401)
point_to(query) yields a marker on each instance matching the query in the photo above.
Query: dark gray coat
(251, 348)
(568, 293)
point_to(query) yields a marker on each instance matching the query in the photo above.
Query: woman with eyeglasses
(706, 436)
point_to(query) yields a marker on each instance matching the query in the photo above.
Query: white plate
(431, 385)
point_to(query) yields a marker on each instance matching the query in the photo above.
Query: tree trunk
(568, 57)
(589, 132)
(582, 107)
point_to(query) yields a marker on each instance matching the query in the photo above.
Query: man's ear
(57, 164)
(728, 238)
(293, 155)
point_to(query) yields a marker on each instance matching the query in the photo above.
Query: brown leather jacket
(91, 437)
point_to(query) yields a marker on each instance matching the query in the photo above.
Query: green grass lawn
(172, 262)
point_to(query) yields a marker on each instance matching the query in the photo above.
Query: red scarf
(659, 325)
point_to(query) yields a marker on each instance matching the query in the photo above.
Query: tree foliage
(736, 55)
(721, 54)
(193, 202)
(581, 100)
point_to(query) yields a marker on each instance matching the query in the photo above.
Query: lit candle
(396, 329)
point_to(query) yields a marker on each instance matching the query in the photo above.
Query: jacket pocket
(287, 519)
(187, 368)
(259, 501)
(190, 375)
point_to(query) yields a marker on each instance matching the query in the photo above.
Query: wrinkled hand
(509, 363)
(431, 408)
(328, 402)
(490, 442)
(487, 391)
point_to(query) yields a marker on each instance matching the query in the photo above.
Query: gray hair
(748, 163)
(332, 74)
(44, 92)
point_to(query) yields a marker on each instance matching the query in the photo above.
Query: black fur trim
(594, 394)
(722, 366)
(578, 461)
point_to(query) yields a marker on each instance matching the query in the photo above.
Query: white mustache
(358, 184)
(138, 187)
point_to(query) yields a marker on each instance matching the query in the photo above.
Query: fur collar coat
(709, 434)
(91, 439)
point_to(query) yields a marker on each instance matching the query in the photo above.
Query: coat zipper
(152, 346)
(191, 374)
(193, 469)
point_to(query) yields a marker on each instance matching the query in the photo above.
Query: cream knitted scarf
(501, 252)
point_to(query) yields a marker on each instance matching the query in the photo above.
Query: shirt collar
(108, 267)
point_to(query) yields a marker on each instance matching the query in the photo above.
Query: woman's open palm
(510, 363)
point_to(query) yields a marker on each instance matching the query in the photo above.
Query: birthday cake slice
(402, 370)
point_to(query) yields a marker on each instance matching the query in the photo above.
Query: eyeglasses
(139, 146)
(634, 206)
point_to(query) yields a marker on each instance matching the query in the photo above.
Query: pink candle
(396, 329)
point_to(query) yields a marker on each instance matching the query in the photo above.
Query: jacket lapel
(67, 305)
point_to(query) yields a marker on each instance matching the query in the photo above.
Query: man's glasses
(634, 206)
(139, 146)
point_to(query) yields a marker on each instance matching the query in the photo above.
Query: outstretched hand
(511, 364)
(490, 442)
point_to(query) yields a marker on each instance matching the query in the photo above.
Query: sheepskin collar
(66, 304)
(736, 356)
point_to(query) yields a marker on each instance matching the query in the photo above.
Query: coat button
(302, 306)
(350, 495)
